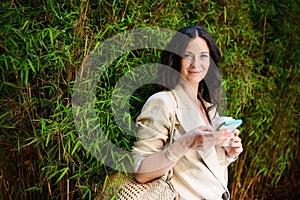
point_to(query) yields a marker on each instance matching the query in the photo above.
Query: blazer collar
(186, 111)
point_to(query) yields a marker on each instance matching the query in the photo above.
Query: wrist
(170, 156)
(230, 159)
(178, 149)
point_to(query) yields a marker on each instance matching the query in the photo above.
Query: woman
(196, 158)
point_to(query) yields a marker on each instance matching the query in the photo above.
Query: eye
(204, 56)
(188, 56)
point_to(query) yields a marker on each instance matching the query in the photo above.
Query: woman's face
(195, 61)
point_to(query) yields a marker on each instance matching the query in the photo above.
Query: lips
(194, 72)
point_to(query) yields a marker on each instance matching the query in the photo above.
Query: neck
(191, 90)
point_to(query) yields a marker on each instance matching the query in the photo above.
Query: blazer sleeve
(154, 126)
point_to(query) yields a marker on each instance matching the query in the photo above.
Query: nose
(196, 63)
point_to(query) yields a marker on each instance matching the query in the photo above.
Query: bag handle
(171, 95)
(169, 175)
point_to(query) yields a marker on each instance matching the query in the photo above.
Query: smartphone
(230, 125)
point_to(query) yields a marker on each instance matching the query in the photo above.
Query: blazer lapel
(186, 112)
(210, 158)
(189, 118)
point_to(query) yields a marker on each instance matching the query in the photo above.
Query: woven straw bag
(126, 187)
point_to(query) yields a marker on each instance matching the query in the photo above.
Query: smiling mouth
(195, 72)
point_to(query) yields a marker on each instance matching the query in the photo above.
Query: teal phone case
(230, 125)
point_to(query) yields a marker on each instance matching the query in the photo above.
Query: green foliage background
(43, 44)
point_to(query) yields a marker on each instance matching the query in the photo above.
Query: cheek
(184, 65)
(206, 63)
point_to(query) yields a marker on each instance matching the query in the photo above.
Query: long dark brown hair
(209, 87)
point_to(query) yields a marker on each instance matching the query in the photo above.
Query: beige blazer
(198, 174)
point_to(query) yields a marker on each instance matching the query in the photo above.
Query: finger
(224, 137)
(223, 131)
(236, 139)
(238, 150)
(227, 135)
(236, 132)
(205, 128)
(223, 134)
(235, 151)
(236, 144)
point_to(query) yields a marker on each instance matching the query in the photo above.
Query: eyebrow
(203, 52)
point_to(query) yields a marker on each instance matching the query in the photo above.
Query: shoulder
(161, 99)
(163, 96)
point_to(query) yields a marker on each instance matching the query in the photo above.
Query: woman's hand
(235, 147)
(202, 138)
